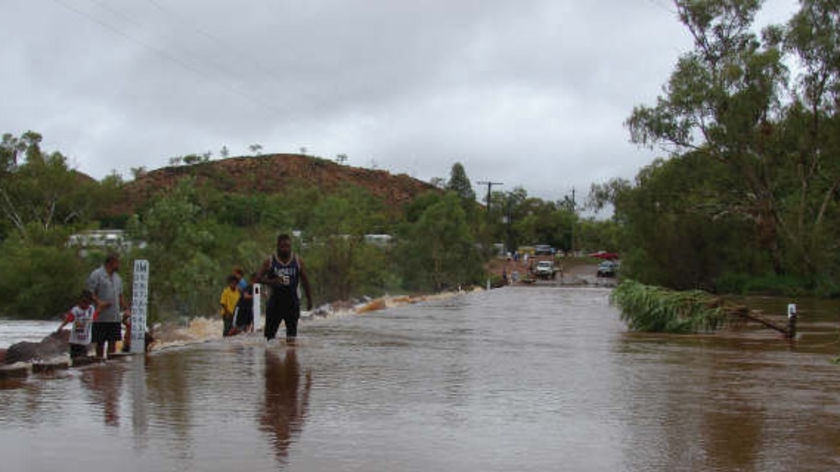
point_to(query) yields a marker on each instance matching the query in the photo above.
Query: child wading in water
(227, 302)
(147, 337)
(82, 316)
(243, 319)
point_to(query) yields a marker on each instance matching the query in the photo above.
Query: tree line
(746, 195)
(194, 234)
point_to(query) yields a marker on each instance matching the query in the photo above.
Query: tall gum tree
(813, 37)
(38, 189)
(729, 99)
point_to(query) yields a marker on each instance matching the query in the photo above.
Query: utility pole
(509, 221)
(489, 187)
(574, 215)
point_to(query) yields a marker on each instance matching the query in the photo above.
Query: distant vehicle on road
(545, 270)
(607, 269)
(522, 250)
(543, 250)
(607, 256)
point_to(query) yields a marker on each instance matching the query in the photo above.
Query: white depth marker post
(791, 325)
(139, 302)
(256, 302)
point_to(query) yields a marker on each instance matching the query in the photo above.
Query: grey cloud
(532, 93)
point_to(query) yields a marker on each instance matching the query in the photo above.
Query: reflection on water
(734, 401)
(512, 379)
(104, 386)
(286, 400)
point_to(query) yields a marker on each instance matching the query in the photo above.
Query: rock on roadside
(52, 346)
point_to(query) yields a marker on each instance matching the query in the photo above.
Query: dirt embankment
(272, 174)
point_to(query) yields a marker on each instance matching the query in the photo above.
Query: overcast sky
(531, 93)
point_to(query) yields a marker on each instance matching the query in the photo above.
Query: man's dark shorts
(106, 331)
(281, 310)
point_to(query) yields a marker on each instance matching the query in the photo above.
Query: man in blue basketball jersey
(284, 273)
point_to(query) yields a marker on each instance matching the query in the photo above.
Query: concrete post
(791, 325)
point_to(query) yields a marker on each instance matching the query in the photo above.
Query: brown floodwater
(515, 379)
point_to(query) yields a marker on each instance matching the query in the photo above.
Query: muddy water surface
(514, 379)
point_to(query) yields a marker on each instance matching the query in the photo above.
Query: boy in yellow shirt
(228, 301)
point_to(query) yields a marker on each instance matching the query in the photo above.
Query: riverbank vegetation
(657, 309)
(746, 197)
(195, 232)
(650, 308)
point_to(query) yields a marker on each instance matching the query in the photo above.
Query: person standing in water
(243, 321)
(284, 273)
(82, 316)
(227, 304)
(106, 286)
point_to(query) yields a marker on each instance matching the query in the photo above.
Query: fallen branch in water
(753, 315)
(657, 309)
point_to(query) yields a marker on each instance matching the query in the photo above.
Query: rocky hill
(271, 174)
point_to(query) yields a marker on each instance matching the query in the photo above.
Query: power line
(266, 71)
(658, 4)
(489, 185)
(218, 66)
(203, 73)
(201, 32)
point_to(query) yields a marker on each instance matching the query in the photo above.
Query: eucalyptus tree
(349, 211)
(189, 251)
(507, 210)
(727, 100)
(438, 250)
(460, 184)
(41, 201)
(673, 232)
(340, 261)
(544, 222)
(38, 189)
(813, 130)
